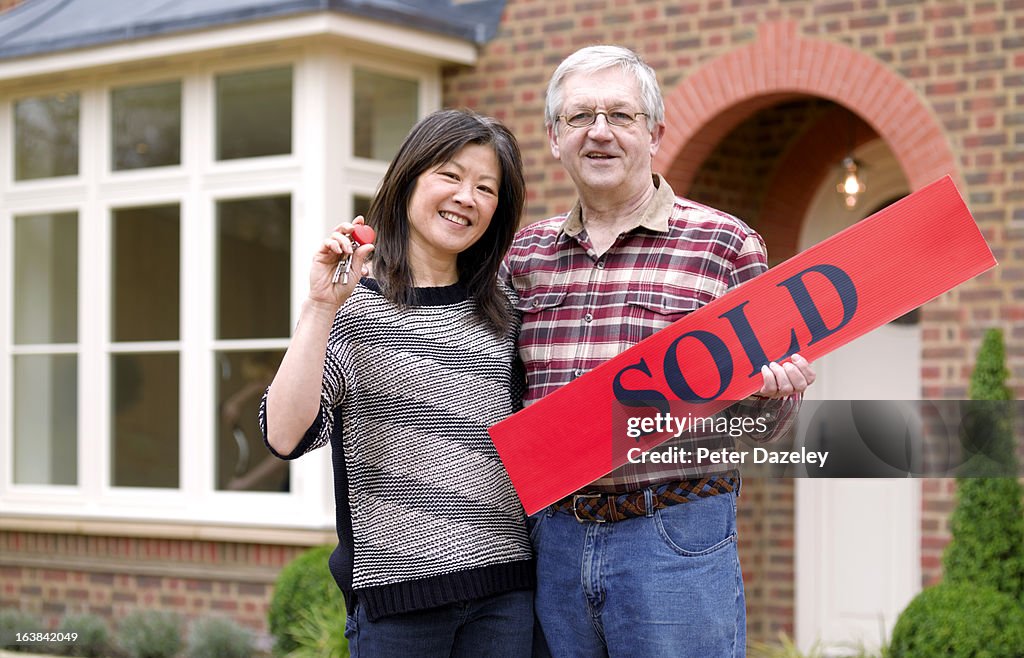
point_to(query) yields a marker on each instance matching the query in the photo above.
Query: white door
(858, 540)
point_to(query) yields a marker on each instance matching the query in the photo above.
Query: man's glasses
(584, 118)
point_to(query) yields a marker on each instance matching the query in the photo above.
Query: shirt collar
(654, 217)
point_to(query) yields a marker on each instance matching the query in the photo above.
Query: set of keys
(361, 234)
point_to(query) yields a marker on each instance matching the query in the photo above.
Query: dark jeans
(499, 626)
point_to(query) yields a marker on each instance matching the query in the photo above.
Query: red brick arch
(782, 65)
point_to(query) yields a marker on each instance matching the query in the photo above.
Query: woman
(402, 372)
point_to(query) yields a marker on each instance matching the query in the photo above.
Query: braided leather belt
(611, 507)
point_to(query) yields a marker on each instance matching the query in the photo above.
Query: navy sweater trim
(448, 588)
(437, 296)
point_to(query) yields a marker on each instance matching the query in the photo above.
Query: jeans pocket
(351, 624)
(698, 528)
(533, 523)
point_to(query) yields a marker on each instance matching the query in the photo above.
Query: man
(663, 577)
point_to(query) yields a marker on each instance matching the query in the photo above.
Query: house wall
(963, 64)
(53, 574)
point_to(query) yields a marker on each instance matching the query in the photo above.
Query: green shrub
(987, 549)
(93, 637)
(304, 584)
(151, 634)
(977, 610)
(219, 637)
(988, 380)
(959, 621)
(988, 429)
(12, 622)
(319, 633)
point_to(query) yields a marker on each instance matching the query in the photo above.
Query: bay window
(154, 250)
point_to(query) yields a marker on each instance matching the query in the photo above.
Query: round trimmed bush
(305, 583)
(93, 633)
(14, 621)
(959, 621)
(219, 637)
(151, 634)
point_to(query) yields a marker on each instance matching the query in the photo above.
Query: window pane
(46, 136)
(253, 268)
(254, 114)
(243, 463)
(46, 419)
(361, 205)
(385, 110)
(145, 274)
(46, 279)
(146, 126)
(144, 425)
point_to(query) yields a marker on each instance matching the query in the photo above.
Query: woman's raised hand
(324, 287)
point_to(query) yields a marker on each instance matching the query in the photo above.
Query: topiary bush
(150, 634)
(977, 611)
(988, 380)
(305, 583)
(959, 621)
(987, 549)
(987, 430)
(219, 637)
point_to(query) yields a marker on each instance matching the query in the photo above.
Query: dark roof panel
(38, 27)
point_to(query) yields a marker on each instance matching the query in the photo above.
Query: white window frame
(321, 181)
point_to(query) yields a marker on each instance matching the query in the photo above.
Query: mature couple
(403, 369)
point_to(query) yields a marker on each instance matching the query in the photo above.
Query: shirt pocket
(540, 337)
(648, 311)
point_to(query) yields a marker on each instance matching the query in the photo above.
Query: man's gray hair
(598, 58)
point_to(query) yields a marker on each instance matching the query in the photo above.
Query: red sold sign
(817, 301)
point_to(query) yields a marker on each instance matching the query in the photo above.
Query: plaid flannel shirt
(579, 310)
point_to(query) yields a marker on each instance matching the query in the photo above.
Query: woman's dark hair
(436, 139)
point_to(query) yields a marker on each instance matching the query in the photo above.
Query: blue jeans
(668, 584)
(499, 625)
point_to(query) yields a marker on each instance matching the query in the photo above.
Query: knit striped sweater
(426, 514)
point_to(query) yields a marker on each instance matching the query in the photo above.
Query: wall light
(851, 184)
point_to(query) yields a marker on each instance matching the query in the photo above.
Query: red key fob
(363, 234)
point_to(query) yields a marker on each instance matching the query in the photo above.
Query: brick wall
(765, 515)
(55, 574)
(956, 66)
(937, 502)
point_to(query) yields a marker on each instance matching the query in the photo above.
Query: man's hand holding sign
(819, 300)
(782, 379)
